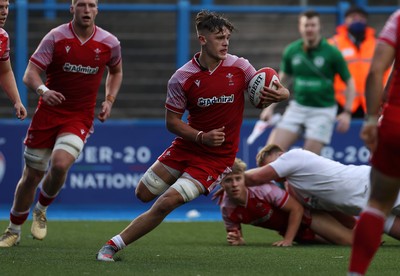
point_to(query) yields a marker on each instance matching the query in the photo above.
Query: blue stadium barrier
(110, 166)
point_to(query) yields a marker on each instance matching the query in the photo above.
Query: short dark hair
(356, 9)
(309, 14)
(212, 22)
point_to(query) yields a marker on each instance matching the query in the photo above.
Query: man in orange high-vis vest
(356, 41)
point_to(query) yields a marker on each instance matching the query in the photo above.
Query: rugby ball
(264, 77)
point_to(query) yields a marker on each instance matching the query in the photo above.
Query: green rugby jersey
(313, 72)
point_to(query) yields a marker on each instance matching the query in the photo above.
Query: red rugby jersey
(213, 99)
(391, 34)
(75, 68)
(263, 208)
(4, 45)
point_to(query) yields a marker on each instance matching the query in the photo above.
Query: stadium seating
(148, 40)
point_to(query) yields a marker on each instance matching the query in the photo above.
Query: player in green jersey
(311, 63)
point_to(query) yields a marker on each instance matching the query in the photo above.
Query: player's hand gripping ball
(264, 77)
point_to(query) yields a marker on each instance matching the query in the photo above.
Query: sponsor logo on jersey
(197, 82)
(68, 67)
(67, 48)
(205, 102)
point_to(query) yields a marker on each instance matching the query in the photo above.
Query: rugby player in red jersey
(271, 207)
(382, 138)
(73, 57)
(211, 87)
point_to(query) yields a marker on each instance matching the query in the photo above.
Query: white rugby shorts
(315, 123)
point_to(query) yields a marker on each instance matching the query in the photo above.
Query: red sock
(45, 200)
(367, 239)
(110, 242)
(18, 218)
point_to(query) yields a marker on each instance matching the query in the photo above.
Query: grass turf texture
(178, 248)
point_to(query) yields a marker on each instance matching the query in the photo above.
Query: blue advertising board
(119, 152)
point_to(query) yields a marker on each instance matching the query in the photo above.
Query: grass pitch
(178, 248)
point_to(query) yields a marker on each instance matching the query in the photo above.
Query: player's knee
(69, 143)
(59, 167)
(188, 189)
(30, 178)
(150, 186)
(143, 193)
(37, 159)
(164, 206)
(166, 203)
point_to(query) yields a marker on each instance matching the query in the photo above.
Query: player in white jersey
(319, 182)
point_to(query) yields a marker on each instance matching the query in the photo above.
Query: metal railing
(183, 10)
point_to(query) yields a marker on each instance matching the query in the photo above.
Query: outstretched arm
(296, 211)
(261, 175)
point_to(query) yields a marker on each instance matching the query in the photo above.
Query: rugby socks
(40, 207)
(44, 201)
(366, 240)
(117, 243)
(16, 220)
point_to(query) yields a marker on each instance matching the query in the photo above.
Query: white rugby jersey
(321, 183)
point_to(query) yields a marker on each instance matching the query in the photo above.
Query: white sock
(15, 228)
(40, 207)
(118, 242)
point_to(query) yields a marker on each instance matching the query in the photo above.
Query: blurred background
(157, 37)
